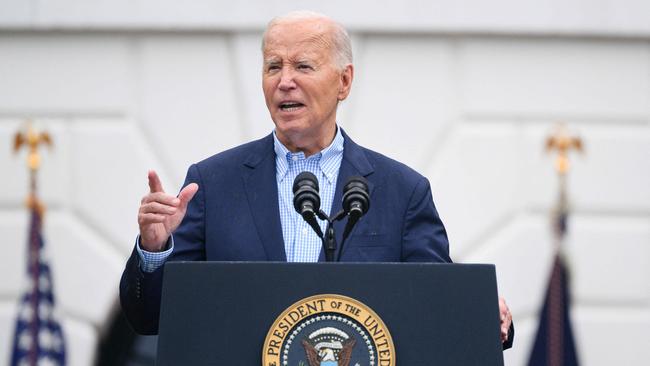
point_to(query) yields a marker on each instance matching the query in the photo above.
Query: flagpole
(554, 345)
(31, 140)
(562, 143)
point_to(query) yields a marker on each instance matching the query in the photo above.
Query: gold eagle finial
(562, 142)
(32, 139)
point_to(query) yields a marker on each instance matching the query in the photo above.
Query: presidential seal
(328, 330)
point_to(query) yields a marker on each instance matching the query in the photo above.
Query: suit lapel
(354, 163)
(262, 193)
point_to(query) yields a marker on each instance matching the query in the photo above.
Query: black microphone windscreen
(355, 195)
(306, 199)
(305, 178)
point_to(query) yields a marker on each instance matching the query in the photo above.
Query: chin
(290, 127)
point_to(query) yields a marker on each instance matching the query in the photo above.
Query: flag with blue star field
(38, 338)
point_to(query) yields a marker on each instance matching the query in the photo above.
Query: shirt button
(305, 231)
(294, 158)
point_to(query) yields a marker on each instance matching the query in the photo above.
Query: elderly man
(237, 205)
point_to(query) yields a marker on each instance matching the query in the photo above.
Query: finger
(157, 208)
(503, 308)
(154, 182)
(151, 218)
(161, 197)
(187, 194)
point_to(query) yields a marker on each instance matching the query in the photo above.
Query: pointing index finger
(154, 182)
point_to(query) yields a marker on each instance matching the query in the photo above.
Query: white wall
(463, 92)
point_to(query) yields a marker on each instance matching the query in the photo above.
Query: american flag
(38, 339)
(554, 344)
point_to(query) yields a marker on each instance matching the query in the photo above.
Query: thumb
(187, 194)
(154, 182)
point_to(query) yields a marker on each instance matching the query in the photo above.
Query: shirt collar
(327, 157)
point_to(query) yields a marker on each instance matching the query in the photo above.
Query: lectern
(334, 314)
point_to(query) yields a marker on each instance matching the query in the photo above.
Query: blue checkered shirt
(301, 244)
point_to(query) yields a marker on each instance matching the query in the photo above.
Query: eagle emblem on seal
(328, 347)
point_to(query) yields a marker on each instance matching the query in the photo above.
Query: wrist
(153, 247)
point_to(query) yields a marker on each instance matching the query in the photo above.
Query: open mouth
(290, 106)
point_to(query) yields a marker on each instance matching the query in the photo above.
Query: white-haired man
(237, 205)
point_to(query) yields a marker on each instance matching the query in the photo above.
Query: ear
(346, 82)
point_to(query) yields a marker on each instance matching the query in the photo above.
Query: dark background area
(121, 346)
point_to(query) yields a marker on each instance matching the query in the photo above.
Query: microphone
(356, 202)
(306, 200)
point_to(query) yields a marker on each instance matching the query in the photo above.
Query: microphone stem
(352, 220)
(329, 241)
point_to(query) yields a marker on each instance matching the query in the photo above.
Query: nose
(286, 79)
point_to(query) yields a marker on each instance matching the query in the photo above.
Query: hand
(506, 319)
(161, 213)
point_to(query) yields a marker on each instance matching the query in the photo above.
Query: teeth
(290, 106)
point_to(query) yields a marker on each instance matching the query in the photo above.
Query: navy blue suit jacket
(234, 216)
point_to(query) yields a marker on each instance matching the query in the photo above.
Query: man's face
(302, 84)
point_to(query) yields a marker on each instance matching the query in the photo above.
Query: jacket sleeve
(140, 292)
(424, 238)
(140, 296)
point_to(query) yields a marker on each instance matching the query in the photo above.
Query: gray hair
(342, 47)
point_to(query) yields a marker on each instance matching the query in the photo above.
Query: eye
(304, 67)
(272, 67)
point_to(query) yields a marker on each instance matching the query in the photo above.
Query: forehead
(292, 38)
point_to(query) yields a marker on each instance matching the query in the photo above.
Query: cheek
(334, 87)
(268, 85)
(268, 93)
